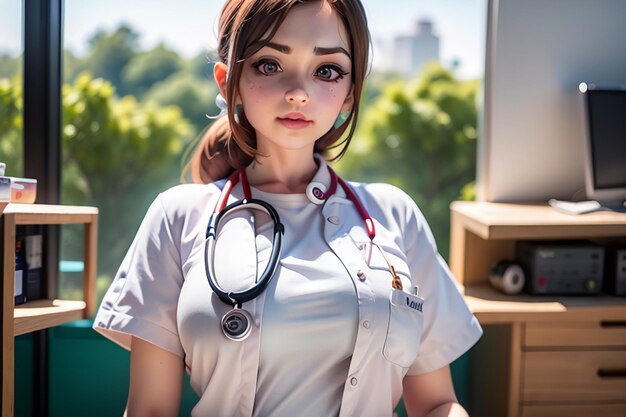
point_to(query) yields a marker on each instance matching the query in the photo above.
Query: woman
(358, 308)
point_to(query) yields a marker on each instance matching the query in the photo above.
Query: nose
(297, 96)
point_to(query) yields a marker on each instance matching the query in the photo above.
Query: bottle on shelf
(19, 284)
(32, 235)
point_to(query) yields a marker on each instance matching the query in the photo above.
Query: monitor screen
(532, 138)
(606, 143)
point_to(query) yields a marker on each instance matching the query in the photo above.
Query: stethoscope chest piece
(237, 324)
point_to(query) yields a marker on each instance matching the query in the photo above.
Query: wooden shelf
(42, 314)
(493, 307)
(484, 233)
(539, 355)
(535, 221)
(50, 214)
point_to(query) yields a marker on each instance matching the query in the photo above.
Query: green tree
(11, 125)
(10, 66)
(72, 66)
(202, 65)
(376, 83)
(110, 53)
(148, 68)
(420, 136)
(195, 97)
(117, 155)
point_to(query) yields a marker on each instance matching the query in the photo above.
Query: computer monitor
(532, 125)
(605, 151)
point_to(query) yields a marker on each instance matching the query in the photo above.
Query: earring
(341, 119)
(220, 102)
(238, 113)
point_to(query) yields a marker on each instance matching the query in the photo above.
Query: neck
(285, 172)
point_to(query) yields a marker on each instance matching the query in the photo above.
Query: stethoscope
(237, 323)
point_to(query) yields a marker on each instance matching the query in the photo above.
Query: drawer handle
(611, 373)
(613, 323)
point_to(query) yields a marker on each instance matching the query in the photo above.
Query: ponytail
(217, 154)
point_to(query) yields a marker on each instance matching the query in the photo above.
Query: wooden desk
(540, 356)
(41, 314)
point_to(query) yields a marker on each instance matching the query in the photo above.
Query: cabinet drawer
(574, 376)
(586, 410)
(600, 333)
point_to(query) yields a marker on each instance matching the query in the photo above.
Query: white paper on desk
(578, 207)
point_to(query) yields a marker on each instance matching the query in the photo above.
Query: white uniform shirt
(310, 316)
(161, 294)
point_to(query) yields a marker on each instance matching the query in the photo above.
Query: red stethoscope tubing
(240, 175)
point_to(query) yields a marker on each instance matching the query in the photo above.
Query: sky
(189, 26)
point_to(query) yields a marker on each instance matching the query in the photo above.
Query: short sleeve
(142, 299)
(450, 328)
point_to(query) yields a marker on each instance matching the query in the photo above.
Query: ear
(220, 72)
(348, 103)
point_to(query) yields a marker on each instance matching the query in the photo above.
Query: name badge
(404, 299)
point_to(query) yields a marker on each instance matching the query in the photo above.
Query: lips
(294, 120)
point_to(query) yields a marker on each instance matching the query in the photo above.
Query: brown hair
(227, 146)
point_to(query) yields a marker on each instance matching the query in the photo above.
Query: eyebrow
(318, 50)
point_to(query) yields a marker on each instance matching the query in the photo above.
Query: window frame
(42, 83)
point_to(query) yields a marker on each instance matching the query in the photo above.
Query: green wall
(88, 375)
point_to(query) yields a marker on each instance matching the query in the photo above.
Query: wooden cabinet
(541, 355)
(41, 314)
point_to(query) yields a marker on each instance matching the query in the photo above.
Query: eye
(267, 67)
(330, 73)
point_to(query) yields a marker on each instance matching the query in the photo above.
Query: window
(138, 86)
(418, 119)
(11, 62)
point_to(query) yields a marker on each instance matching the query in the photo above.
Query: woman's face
(293, 89)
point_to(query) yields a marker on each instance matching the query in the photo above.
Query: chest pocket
(404, 331)
(406, 317)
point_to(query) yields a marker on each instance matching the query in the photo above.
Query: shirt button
(334, 220)
(354, 381)
(366, 324)
(361, 275)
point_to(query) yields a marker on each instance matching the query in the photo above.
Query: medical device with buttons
(561, 267)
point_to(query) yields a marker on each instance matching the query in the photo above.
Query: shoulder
(387, 198)
(184, 207)
(394, 208)
(185, 197)
(383, 193)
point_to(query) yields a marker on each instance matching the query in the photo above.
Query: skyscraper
(412, 51)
